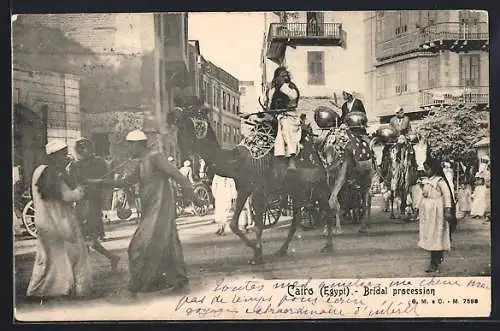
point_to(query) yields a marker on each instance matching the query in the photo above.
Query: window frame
(316, 68)
(473, 64)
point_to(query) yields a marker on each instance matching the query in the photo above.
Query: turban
(136, 135)
(55, 146)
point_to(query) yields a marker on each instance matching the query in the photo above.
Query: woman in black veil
(437, 214)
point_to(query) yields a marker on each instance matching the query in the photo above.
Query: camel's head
(194, 132)
(336, 150)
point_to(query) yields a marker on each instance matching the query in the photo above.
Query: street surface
(389, 249)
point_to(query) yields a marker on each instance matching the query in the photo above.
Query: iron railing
(455, 95)
(454, 31)
(413, 39)
(305, 30)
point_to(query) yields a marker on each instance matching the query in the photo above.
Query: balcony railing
(454, 31)
(400, 45)
(450, 95)
(454, 36)
(305, 30)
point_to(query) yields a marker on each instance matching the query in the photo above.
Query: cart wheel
(29, 219)
(202, 194)
(272, 213)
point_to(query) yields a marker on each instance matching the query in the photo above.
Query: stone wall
(56, 91)
(117, 125)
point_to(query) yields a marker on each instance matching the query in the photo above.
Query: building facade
(45, 93)
(140, 59)
(211, 86)
(422, 58)
(222, 96)
(314, 47)
(248, 103)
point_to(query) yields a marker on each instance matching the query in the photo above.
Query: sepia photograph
(251, 165)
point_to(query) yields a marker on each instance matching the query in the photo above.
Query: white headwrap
(347, 90)
(55, 146)
(136, 135)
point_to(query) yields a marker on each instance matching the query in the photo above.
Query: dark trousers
(436, 257)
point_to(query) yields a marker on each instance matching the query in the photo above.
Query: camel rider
(285, 95)
(350, 105)
(400, 123)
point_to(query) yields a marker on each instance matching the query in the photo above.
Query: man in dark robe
(351, 104)
(89, 209)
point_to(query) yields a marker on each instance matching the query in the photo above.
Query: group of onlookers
(438, 206)
(475, 200)
(68, 212)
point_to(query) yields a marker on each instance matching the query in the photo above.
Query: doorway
(29, 138)
(315, 26)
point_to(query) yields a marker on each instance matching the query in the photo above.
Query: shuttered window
(433, 72)
(469, 70)
(316, 68)
(401, 85)
(401, 22)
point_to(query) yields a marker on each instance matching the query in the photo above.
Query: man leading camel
(284, 95)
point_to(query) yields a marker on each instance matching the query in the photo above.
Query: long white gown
(224, 191)
(434, 230)
(448, 173)
(62, 265)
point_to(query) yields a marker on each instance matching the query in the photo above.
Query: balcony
(452, 95)
(454, 36)
(401, 45)
(302, 34)
(450, 36)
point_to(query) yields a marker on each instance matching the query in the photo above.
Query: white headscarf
(55, 146)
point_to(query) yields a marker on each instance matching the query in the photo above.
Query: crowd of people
(69, 214)
(438, 205)
(69, 220)
(69, 204)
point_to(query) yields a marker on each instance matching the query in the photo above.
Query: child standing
(386, 194)
(464, 199)
(479, 198)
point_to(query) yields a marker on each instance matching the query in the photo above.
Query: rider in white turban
(400, 123)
